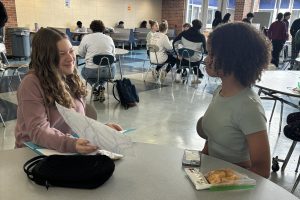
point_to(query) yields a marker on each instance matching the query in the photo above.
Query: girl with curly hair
(52, 78)
(234, 124)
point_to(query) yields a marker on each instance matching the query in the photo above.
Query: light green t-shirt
(227, 122)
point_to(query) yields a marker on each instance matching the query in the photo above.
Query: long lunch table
(153, 173)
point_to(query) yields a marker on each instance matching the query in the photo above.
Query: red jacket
(277, 31)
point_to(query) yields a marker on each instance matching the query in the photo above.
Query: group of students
(168, 53)
(234, 125)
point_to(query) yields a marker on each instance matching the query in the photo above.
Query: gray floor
(165, 115)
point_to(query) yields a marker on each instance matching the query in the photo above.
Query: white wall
(54, 13)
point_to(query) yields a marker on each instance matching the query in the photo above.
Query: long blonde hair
(44, 64)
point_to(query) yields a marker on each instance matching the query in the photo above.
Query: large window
(212, 7)
(230, 8)
(194, 10)
(267, 4)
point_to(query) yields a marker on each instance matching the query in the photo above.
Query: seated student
(161, 40)
(234, 124)
(154, 29)
(91, 45)
(143, 24)
(249, 18)
(52, 78)
(79, 29)
(194, 40)
(120, 25)
(186, 26)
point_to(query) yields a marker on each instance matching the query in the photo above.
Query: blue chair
(70, 36)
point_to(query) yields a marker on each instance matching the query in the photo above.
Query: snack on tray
(222, 176)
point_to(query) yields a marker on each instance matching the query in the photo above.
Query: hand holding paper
(97, 133)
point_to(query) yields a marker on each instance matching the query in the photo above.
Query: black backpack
(74, 171)
(128, 96)
(3, 15)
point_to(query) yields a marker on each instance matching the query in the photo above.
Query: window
(267, 4)
(230, 8)
(194, 10)
(296, 4)
(212, 7)
(285, 4)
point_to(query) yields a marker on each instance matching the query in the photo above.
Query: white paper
(97, 133)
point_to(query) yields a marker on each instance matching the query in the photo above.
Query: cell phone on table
(191, 158)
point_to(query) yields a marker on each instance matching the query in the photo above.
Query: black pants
(277, 48)
(195, 66)
(171, 62)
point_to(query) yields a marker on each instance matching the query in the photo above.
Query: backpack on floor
(128, 96)
(73, 171)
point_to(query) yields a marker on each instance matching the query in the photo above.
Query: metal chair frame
(102, 60)
(154, 49)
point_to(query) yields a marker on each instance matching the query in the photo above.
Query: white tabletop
(280, 82)
(154, 173)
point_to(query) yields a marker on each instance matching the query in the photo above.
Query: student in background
(248, 18)
(234, 124)
(217, 20)
(120, 25)
(161, 40)
(52, 78)
(79, 27)
(226, 18)
(294, 29)
(143, 24)
(91, 45)
(286, 18)
(278, 35)
(186, 26)
(194, 40)
(153, 29)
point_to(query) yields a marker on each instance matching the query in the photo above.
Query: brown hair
(97, 26)
(44, 63)
(240, 49)
(163, 27)
(152, 23)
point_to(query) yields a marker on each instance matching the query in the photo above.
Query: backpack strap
(27, 167)
(114, 93)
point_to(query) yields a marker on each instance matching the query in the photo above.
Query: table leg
(121, 72)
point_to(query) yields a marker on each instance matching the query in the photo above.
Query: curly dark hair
(240, 49)
(44, 64)
(97, 26)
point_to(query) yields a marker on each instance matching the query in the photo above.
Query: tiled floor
(165, 115)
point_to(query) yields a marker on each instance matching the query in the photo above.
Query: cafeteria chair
(153, 49)
(70, 36)
(102, 60)
(6, 66)
(187, 54)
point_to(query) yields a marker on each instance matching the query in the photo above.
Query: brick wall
(12, 21)
(242, 7)
(174, 12)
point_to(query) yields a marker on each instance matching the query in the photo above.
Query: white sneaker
(163, 75)
(178, 78)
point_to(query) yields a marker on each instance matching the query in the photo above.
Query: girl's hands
(83, 146)
(117, 127)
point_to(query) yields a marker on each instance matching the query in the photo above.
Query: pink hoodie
(33, 122)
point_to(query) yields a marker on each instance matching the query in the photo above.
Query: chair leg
(296, 184)
(280, 122)
(145, 78)
(274, 105)
(2, 120)
(286, 160)
(298, 164)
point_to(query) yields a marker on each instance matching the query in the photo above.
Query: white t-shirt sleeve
(82, 49)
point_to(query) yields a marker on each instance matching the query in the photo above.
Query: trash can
(20, 43)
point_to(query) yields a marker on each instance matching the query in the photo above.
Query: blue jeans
(90, 75)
